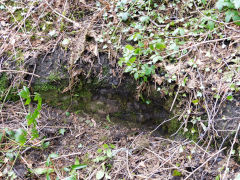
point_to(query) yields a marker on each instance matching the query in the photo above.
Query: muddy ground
(136, 154)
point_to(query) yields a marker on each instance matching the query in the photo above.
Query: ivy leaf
(129, 47)
(24, 93)
(144, 19)
(160, 45)
(29, 119)
(105, 146)
(195, 102)
(109, 153)
(181, 31)
(203, 126)
(204, 2)
(132, 60)
(236, 3)
(124, 16)
(155, 58)
(34, 133)
(220, 4)
(120, 62)
(136, 75)
(38, 98)
(176, 173)
(128, 69)
(230, 97)
(52, 33)
(211, 25)
(10, 133)
(112, 146)
(62, 131)
(45, 145)
(236, 18)
(229, 15)
(100, 174)
(21, 136)
(53, 155)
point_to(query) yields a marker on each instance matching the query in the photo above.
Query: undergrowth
(188, 51)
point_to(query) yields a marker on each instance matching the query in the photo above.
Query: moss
(44, 87)
(168, 103)
(51, 93)
(17, 16)
(19, 57)
(190, 134)
(86, 159)
(4, 85)
(54, 76)
(172, 126)
(28, 25)
(46, 26)
(117, 114)
(105, 69)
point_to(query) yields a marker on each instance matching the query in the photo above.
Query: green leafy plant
(41, 171)
(72, 169)
(176, 173)
(105, 154)
(20, 135)
(231, 7)
(133, 66)
(102, 173)
(32, 116)
(46, 170)
(208, 19)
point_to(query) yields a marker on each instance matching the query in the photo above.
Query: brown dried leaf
(157, 79)
(94, 49)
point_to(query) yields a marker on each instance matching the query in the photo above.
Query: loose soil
(137, 154)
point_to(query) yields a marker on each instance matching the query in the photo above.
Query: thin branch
(234, 141)
(24, 72)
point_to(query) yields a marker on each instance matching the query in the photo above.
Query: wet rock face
(50, 67)
(54, 66)
(122, 104)
(101, 93)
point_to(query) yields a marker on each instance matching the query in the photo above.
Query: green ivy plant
(134, 65)
(105, 154)
(231, 7)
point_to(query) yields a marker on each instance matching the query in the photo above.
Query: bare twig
(24, 72)
(230, 153)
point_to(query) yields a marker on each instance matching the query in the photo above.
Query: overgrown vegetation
(188, 50)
